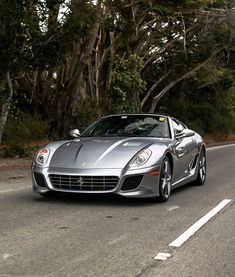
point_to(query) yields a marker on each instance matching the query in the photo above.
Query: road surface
(113, 236)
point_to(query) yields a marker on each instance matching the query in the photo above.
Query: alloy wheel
(165, 180)
(202, 167)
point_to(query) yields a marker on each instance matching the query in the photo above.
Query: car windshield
(130, 126)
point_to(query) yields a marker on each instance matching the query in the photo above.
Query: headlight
(141, 158)
(42, 156)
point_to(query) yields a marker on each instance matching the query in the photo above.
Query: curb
(10, 164)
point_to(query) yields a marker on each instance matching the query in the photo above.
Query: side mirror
(185, 134)
(74, 133)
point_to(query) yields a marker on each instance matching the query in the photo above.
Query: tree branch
(154, 86)
(168, 45)
(181, 78)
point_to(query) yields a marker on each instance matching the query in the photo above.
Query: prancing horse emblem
(80, 181)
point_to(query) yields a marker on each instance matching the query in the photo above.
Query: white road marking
(221, 146)
(5, 256)
(196, 226)
(162, 256)
(173, 208)
(10, 190)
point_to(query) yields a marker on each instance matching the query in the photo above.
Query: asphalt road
(113, 236)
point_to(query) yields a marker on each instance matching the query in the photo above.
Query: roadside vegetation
(65, 63)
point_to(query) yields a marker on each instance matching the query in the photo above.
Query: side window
(178, 127)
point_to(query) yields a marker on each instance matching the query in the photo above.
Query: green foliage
(169, 7)
(126, 84)
(44, 54)
(17, 151)
(13, 34)
(25, 129)
(203, 117)
(205, 103)
(207, 3)
(160, 9)
(22, 135)
(206, 117)
(87, 112)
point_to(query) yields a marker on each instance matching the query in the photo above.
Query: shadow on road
(185, 188)
(106, 199)
(95, 200)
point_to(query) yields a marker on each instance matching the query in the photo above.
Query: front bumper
(147, 187)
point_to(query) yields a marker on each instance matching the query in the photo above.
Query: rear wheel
(165, 180)
(201, 174)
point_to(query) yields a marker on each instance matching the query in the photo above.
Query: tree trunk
(98, 56)
(154, 86)
(71, 89)
(6, 106)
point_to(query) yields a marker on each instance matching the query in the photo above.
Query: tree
(13, 39)
(114, 55)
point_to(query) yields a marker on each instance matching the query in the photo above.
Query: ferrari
(132, 155)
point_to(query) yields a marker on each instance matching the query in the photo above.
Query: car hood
(99, 152)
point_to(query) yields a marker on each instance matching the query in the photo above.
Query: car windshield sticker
(161, 119)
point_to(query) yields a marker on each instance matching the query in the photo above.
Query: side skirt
(192, 176)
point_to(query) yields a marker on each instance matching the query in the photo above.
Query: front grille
(83, 183)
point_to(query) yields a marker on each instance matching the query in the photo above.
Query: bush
(17, 151)
(24, 129)
(205, 116)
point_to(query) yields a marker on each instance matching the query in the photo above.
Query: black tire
(165, 181)
(201, 174)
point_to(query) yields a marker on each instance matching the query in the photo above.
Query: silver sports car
(133, 155)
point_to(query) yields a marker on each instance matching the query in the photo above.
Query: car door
(185, 150)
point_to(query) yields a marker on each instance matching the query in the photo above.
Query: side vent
(40, 180)
(132, 182)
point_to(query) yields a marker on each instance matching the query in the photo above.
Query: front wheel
(165, 180)
(201, 174)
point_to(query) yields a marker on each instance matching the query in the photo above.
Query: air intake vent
(132, 182)
(40, 180)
